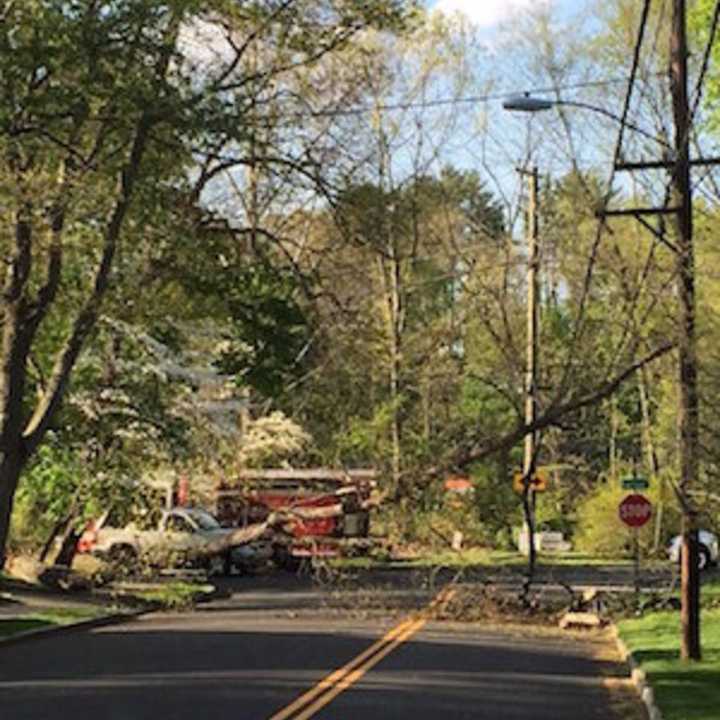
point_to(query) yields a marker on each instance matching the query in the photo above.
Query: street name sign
(635, 482)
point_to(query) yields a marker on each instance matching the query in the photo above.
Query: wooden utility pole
(531, 367)
(687, 417)
(687, 355)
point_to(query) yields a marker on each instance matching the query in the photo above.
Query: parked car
(707, 550)
(187, 533)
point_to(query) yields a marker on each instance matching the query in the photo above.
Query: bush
(433, 528)
(599, 530)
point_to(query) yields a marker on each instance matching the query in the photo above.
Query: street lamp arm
(612, 116)
(528, 103)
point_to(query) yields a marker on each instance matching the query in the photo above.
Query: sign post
(635, 510)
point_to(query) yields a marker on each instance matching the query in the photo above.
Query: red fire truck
(328, 510)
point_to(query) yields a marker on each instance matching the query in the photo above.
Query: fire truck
(328, 511)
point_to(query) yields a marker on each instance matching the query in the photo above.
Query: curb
(90, 624)
(638, 676)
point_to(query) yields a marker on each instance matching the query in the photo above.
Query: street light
(677, 161)
(527, 103)
(530, 104)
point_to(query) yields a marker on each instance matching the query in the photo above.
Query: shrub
(599, 530)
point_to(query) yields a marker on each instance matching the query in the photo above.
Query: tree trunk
(13, 373)
(395, 388)
(57, 528)
(68, 545)
(613, 439)
(11, 466)
(652, 457)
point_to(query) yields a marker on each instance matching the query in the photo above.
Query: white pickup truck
(190, 534)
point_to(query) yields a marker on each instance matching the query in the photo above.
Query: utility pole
(688, 404)
(531, 367)
(687, 354)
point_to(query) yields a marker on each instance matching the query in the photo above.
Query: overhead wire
(715, 22)
(644, 93)
(602, 222)
(439, 102)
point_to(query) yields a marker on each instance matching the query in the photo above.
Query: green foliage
(495, 504)
(425, 234)
(268, 328)
(599, 530)
(113, 120)
(176, 595)
(700, 15)
(64, 484)
(365, 438)
(430, 528)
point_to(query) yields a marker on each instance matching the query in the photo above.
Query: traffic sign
(538, 481)
(635, 510)
(635, 482)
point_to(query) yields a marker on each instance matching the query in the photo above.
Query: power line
(608, 194)
(441, 102)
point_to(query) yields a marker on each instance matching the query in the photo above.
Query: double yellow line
(330, 687)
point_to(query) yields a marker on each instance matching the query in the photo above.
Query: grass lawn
(478, 557)
(34, 621)
(684, 691)
(12, 626)
(175, 595)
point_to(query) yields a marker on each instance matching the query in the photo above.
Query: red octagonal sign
(635, 510)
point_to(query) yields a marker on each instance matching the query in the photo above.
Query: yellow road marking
(354, 676)
(339, 680)
(331, 679)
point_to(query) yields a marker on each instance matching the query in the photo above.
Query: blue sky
(487, 14)
(507, 138)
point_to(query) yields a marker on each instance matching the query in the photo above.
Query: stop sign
(635, 510)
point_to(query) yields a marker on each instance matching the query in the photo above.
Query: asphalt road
(236, 660)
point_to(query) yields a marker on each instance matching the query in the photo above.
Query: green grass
(12, 626)
(684, 691)
(449, 558)
(711, 593)
(479, 557)
(175, 595)
(49, 618)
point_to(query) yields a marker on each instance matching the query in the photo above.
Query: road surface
(231, 660)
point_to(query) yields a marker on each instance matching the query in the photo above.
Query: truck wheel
(284, 559)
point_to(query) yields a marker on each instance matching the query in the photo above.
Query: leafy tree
(105, 110)
(371, 299)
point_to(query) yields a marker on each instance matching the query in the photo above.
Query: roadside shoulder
(638, 676)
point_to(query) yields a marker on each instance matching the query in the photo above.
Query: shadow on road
(170, 668)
